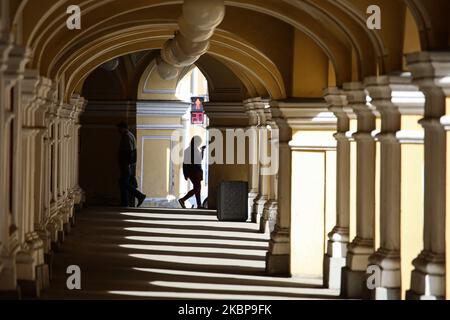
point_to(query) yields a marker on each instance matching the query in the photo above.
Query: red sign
(197, 104)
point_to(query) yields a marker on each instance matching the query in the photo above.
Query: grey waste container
(232, 201)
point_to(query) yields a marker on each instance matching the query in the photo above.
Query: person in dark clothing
(127, 165)
(192, 170)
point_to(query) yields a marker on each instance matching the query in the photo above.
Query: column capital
(338, 105)
(395, 96)
(355, 93)
(358, 101)
(17, 59)
(255, 110)
(395, 93)
(431, 70)
(227, 114)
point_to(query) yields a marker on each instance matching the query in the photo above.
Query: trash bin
(232, 200)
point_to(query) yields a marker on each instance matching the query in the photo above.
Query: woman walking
(192, 170)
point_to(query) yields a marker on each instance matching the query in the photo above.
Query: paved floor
(170, 254)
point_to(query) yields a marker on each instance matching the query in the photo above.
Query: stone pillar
(336, 256)
(431, 72)
(252, 107)
(31, 268)
(394, 97)
(55, 224)
(40, 177)
(67, 202)
(267, 205)
(264, 165)
(8, 234)
(354, 274)
(278, 257)
(79, 194)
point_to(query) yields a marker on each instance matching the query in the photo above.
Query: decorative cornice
(226, 110)
(395, 94)
(162, 108)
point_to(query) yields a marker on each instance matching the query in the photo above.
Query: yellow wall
(313, 205)
(308, 213)
(412, 38)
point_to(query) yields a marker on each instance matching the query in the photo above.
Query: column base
(336, 258)
(252, 196)
(67, 228)
(43, 275)
(428, 278)
(278, 265)
(56, 245)
(8, 275)
(388, 262)
(278, 259)
(332, 271)
(72, 221)
(353, 285)
(386, 294)
(270, 215)
(258, 213)
(410, 295)
(30, 289)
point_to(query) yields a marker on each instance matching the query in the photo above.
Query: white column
(263, 168)
(31, 254)
(265, 201)
(252, 106)
(431, 71)
(13, 221)
(55, 224)
(393, 96)
(354, 275)
(336, 256)
(7, 255)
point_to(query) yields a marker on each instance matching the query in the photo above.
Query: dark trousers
(128, 187)
(196, 177)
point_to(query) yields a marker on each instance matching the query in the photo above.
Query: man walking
(127, 165)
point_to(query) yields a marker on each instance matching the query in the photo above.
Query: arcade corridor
(334, 113)
(171, 254)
